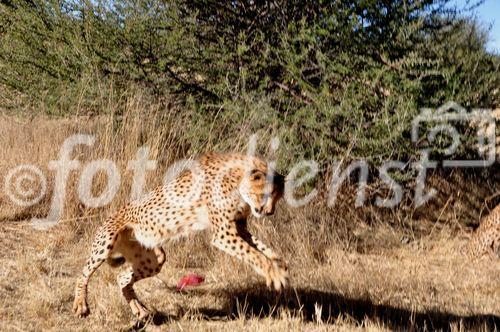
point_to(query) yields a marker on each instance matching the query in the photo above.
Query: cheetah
(218, 194)
(486, 239)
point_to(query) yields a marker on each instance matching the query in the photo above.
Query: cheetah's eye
(257, 175)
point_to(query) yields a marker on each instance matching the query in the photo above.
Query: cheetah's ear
(279, 181)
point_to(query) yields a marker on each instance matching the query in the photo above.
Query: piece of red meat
(191, 279)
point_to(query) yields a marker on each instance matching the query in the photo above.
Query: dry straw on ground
(350, 269)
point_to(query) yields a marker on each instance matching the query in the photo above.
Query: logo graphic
(446, 120)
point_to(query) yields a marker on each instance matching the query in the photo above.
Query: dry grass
(350, 269)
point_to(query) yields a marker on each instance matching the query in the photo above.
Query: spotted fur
(219, 194)
(486, 239)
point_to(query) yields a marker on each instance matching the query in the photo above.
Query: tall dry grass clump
(350, 267)
(118, 135)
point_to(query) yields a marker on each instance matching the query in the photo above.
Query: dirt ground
(423, 285)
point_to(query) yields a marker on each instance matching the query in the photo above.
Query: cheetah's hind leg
(102, 247)
(144, 263)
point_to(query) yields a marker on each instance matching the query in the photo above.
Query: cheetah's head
(261, 191)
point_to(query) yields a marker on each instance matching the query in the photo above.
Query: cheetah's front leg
(230, 239)
(242, 229)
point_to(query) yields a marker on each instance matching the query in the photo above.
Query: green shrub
(331, 78)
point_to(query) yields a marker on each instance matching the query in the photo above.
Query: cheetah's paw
(277, 274)
(138, 309)
(80, 308)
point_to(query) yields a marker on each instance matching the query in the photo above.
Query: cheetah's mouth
(259, 213)
(263, 211)
(256, 213)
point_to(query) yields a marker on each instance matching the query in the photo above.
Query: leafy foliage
(329, 77)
